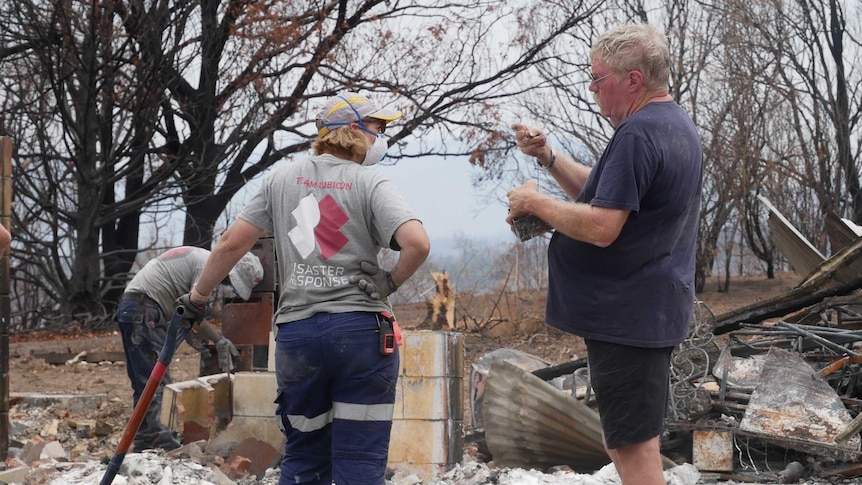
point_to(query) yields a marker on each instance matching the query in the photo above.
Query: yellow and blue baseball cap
(345, 108)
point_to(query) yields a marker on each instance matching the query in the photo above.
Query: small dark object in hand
(529, 226)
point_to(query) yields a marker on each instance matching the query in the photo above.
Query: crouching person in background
(143, 320)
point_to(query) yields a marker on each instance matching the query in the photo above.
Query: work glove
(197, 343)
(226, 352)
(375, 282)
(193, 313)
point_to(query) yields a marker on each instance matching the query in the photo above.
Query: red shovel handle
(176, 333)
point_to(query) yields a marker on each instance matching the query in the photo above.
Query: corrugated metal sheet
(529, 423)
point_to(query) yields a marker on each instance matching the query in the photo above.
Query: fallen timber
(802, 296)
(838, 275)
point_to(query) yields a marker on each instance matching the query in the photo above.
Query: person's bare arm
(569, 174)
(595, 225)
(415, 246)
(234, 243)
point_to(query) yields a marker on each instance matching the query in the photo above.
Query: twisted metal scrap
(692, 361)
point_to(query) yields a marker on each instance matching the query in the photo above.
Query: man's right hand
(533, 142)
(192, 313)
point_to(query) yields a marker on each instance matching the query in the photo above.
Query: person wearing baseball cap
(347, 109)
(329, 216)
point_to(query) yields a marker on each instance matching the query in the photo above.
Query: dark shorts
(631, 388)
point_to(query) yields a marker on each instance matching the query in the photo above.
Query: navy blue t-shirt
(638, 291)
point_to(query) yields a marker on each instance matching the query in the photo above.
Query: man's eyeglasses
(381, 126)
(597, 80)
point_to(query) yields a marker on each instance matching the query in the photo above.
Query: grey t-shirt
(326, 215)
(170, 275)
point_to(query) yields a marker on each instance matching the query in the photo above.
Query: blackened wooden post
(5, 309)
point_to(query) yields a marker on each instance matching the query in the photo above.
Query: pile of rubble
(51, 444)
(51, 447)
(69, 439)
(768, 403)
(768, 393)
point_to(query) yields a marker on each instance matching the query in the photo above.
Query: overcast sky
(441, 193)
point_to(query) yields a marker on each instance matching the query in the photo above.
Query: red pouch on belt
(399, 339)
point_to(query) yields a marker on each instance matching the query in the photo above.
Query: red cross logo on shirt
(328, 233)
(318, 224)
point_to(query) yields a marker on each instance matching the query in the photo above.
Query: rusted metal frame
(755, 330)
(831, 338)
(839, 364)
(823, 341)
(846, 363)
(746, 347)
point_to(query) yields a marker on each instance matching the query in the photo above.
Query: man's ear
(635, 79)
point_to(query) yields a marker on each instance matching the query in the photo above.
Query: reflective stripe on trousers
(342, 410)
(336, 399)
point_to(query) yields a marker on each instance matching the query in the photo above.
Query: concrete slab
(254, 393)
(69, 402)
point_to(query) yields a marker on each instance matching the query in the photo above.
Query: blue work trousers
(144, 330)
(336, 395)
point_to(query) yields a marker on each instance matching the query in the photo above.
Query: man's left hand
(519, 197)
(197, 343)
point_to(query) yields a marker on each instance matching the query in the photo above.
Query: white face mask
(376, 153)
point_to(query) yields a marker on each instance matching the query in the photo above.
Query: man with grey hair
(621, 260)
